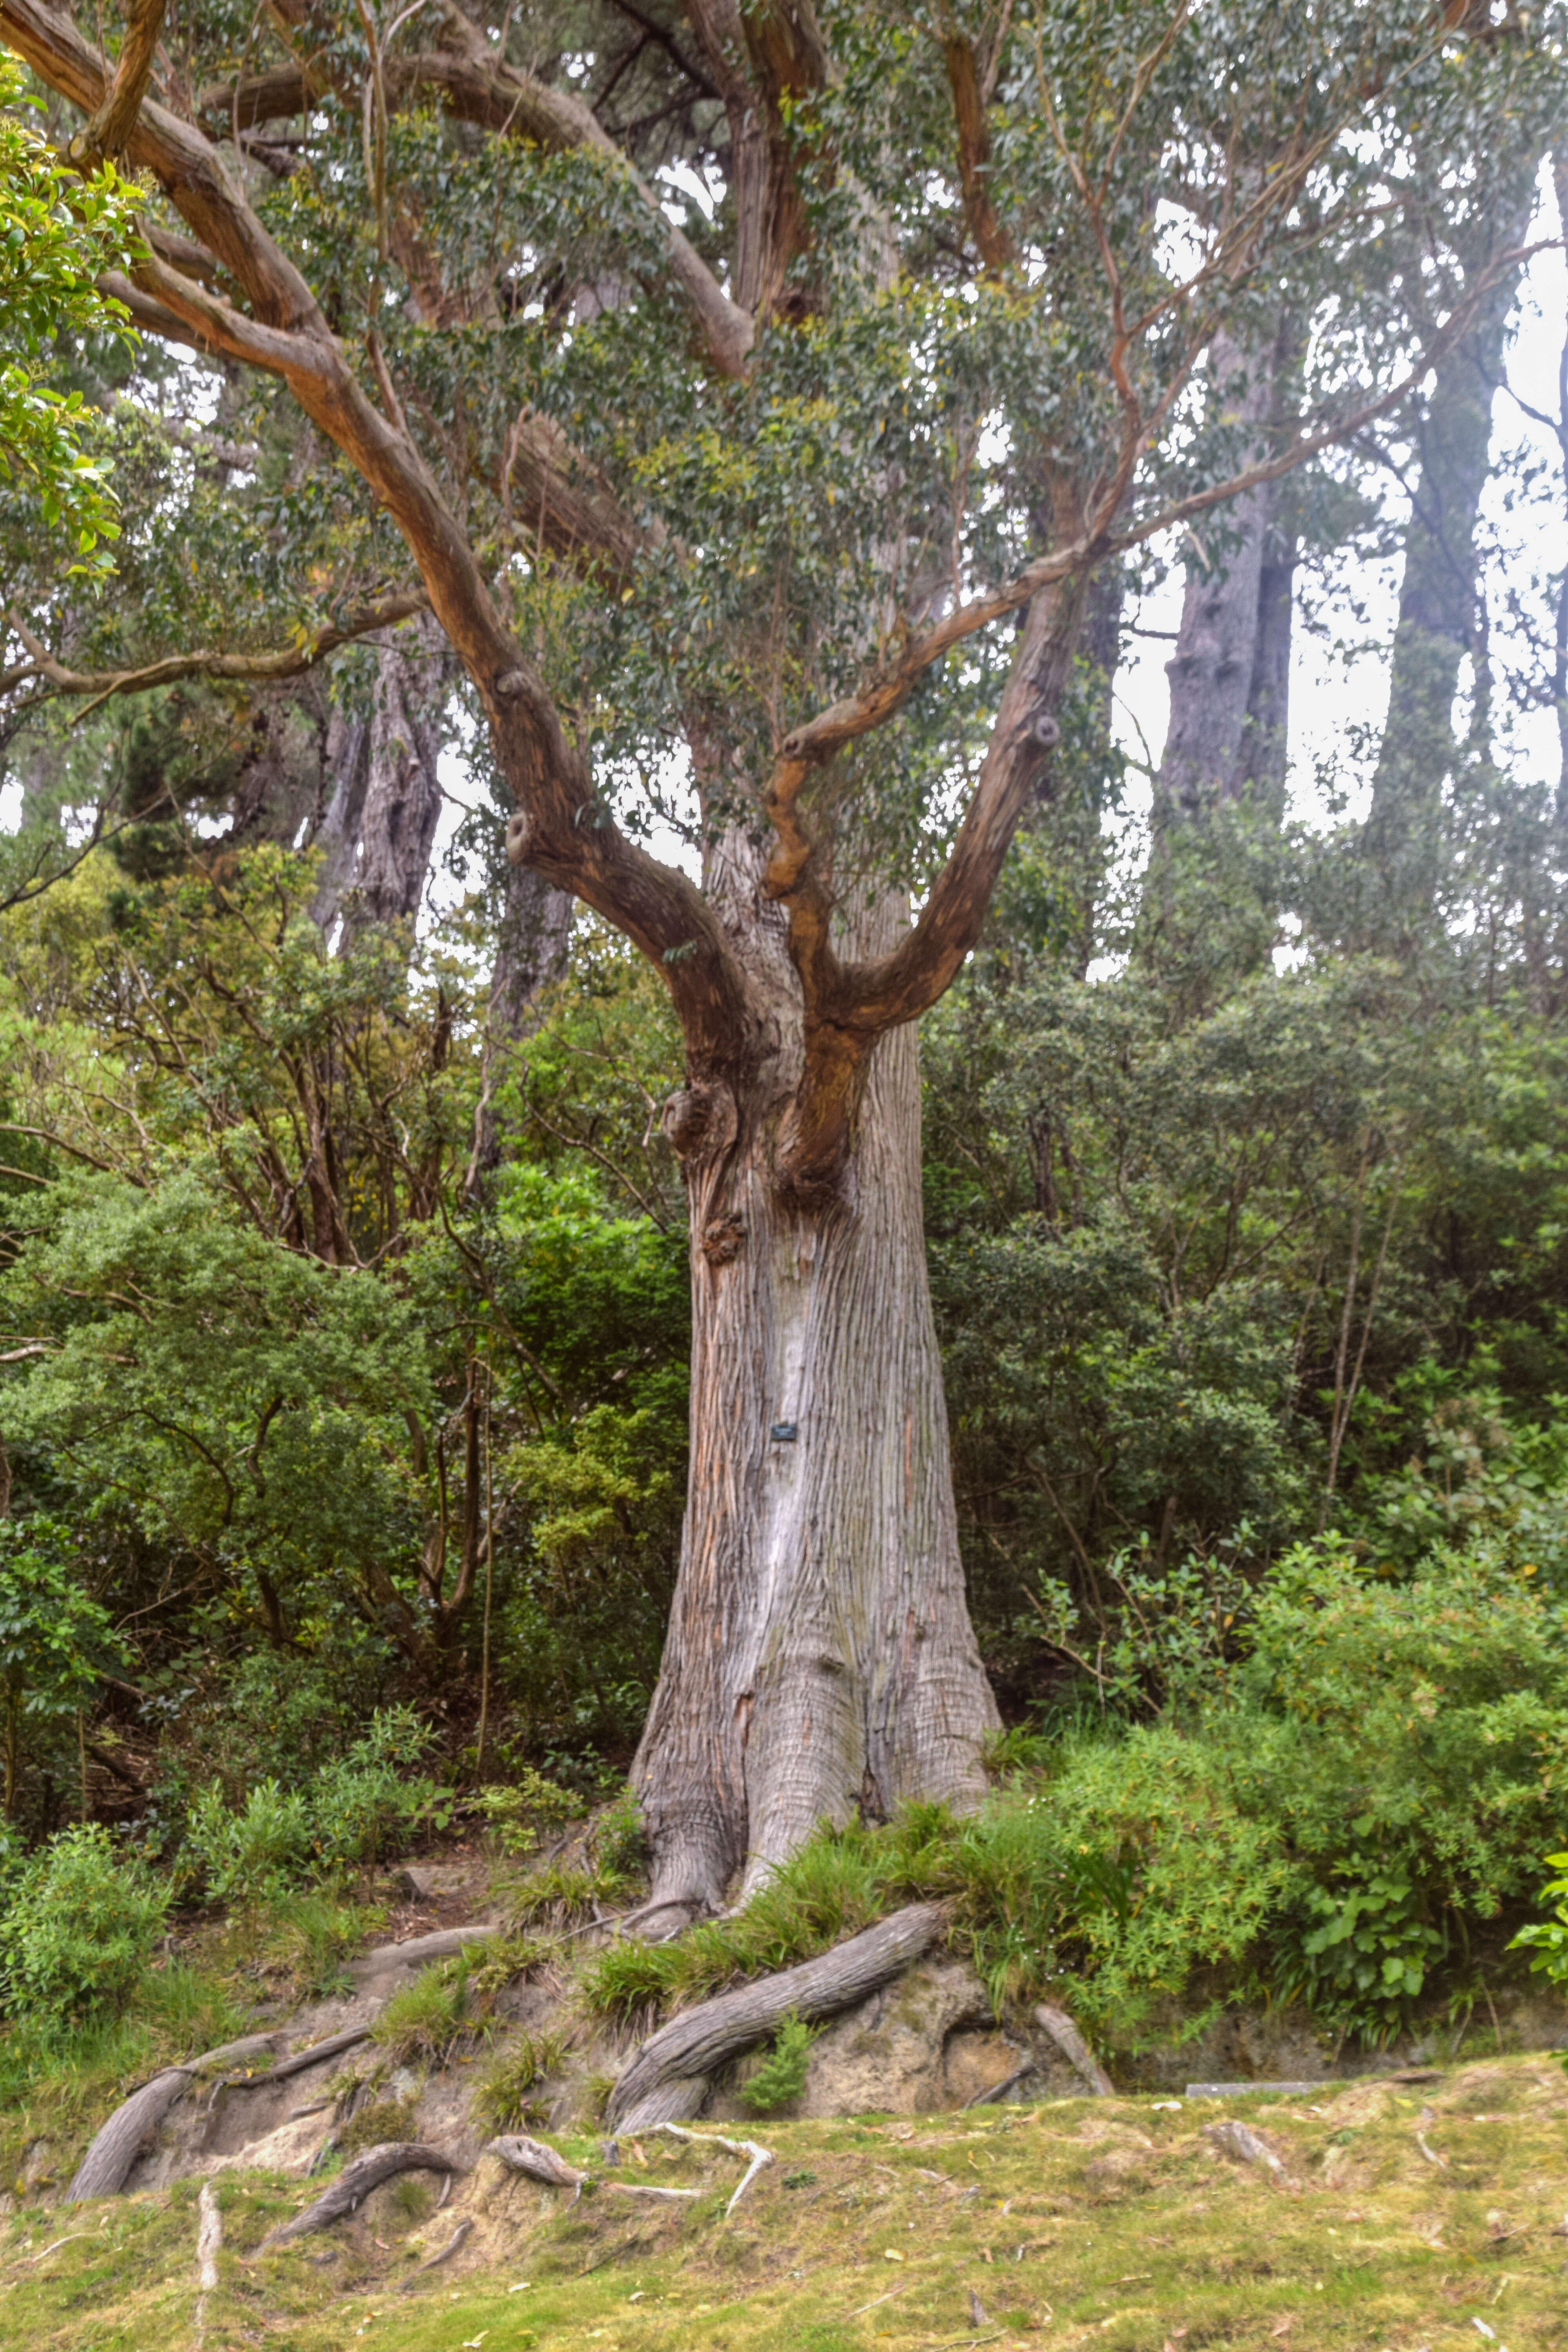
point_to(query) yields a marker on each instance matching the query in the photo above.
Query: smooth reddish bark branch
(997, 250)
(109, 126)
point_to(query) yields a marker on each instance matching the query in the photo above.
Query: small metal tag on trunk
(783, 1432)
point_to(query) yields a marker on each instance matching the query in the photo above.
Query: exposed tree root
(531, 2157)
(668, 2079)
(1074, 2050)
(104, 2169)
(356, 2180)
(436, 2260)
(303, 2060)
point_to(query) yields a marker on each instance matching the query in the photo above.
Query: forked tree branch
(477, 86)
(852, 1005)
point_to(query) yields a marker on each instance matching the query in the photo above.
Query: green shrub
(351, 1811)
(1548, 1938)
(78, 1932)
(371, 1803)
(518, 1814)
(250, 1855)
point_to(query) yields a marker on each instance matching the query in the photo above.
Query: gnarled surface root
(668, 2079)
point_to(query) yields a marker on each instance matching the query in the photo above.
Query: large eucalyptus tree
(750, 392)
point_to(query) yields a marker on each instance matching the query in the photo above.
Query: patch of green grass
(1111, 2222)
(58, 2083)
(299, 1945)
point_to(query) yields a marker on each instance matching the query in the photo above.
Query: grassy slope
(1135, 2234)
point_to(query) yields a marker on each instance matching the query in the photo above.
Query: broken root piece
(758, 2155)
(1243, 2144)
(436, 2260)
(536, 2161)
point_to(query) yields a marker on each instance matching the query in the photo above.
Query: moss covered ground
(1404, 2214)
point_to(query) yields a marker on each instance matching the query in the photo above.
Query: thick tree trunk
(819, 1661)
(402, 790)
(1440, 621)
(1230, 674)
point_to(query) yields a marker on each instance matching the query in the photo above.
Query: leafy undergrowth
(1406, 2214)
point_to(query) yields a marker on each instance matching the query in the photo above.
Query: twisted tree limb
(668, 2079)
(288, 661)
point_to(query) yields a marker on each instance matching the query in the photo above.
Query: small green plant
(1548, 1938)
(378, 2120)
(78, 1934)
(620, 1839)
(517, 1816)
(504, 2099)
(1366, 1960)
(781, 2077)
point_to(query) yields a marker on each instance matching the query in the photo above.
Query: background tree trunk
(1441, 619)
(1230, 674)
(819, 1661)
(337, 837)
(534, 939)
(402, 790)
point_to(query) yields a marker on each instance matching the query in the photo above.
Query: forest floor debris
(1111, 2221)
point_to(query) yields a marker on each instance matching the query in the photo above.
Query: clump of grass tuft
(504, 2099)
(300, 1944)
(630, 1982)
(433, 2017)
(559, 1897)
(840, 1883)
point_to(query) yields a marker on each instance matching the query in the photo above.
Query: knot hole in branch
(702, 1121)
